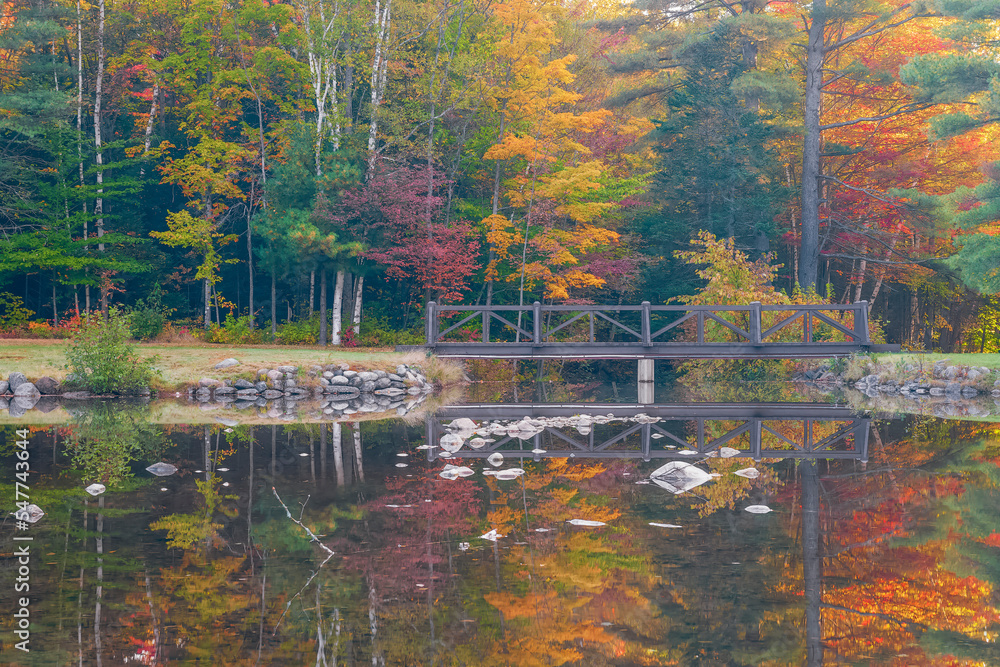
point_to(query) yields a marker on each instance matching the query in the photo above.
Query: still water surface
(886, 556)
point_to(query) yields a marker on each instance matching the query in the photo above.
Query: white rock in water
(585, 522)
(463, 546)
(664, 525)
(541, 530)
(425, 446)
(463, 425)
(495, 459)
(678, 477)
(728, 452)
(162, 469)
(509, 474)
(32, 513)
(583, 430)
(402, 465)
(492, 536)
(454, 472)
(95, 489)
(450, 442)
(758, 509)
(477, 443)
(538, 451)
(749, 473)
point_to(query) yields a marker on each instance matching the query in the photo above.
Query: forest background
(207, 160)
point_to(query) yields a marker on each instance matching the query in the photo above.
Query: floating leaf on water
(95, 489)
(402, 454)
(664, 525)
(495, 459)
(586, 522)
(402, 465)
(758, 509)
(678, 477)
(492, 536)
(222, 469)
(162, 469)
(425, 446)
(657, 436)
(303, 453)
(749, 473)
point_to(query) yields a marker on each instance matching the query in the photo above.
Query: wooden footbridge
(683, 431)
(753, 331)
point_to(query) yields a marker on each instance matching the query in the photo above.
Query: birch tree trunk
(153, 109)
(809, 260)
(208, 302)
(338, 303)
(79, 132)
(356, 320)
(382, 20)
(322, 306)
(99, 157)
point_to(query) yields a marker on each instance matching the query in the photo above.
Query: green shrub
(102, 359)
(235, 331)
(149, 316)
(303, 332)
(13, 315)
(376, 332)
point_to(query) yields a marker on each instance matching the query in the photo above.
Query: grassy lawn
(991, 361)
(183, 364)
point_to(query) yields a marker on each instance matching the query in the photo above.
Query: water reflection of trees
(859, 562)
(106, 437)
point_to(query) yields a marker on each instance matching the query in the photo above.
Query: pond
(637, 535)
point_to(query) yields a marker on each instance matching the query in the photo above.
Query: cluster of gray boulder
(18, 394)
(338, 388)
(949, 381)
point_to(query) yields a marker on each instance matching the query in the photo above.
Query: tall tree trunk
(253, 316)
(312, 291)
(79, 132)
(150, 121)
(356, 319)
(274, 307)
(338, 306)
(382, 22)
(208, 301)
(322, 306)
(356, 429)
(99, 157)
(809, 260)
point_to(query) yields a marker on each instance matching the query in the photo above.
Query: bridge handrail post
(431, 323)
(537, 321)
(755, 323)
(486, 326)
(861, 322)
(647, 340)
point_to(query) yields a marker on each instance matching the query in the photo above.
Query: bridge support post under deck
(645, 378)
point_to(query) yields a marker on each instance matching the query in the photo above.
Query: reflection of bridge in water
(683, 432)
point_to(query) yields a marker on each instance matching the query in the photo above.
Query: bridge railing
(648, 325)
